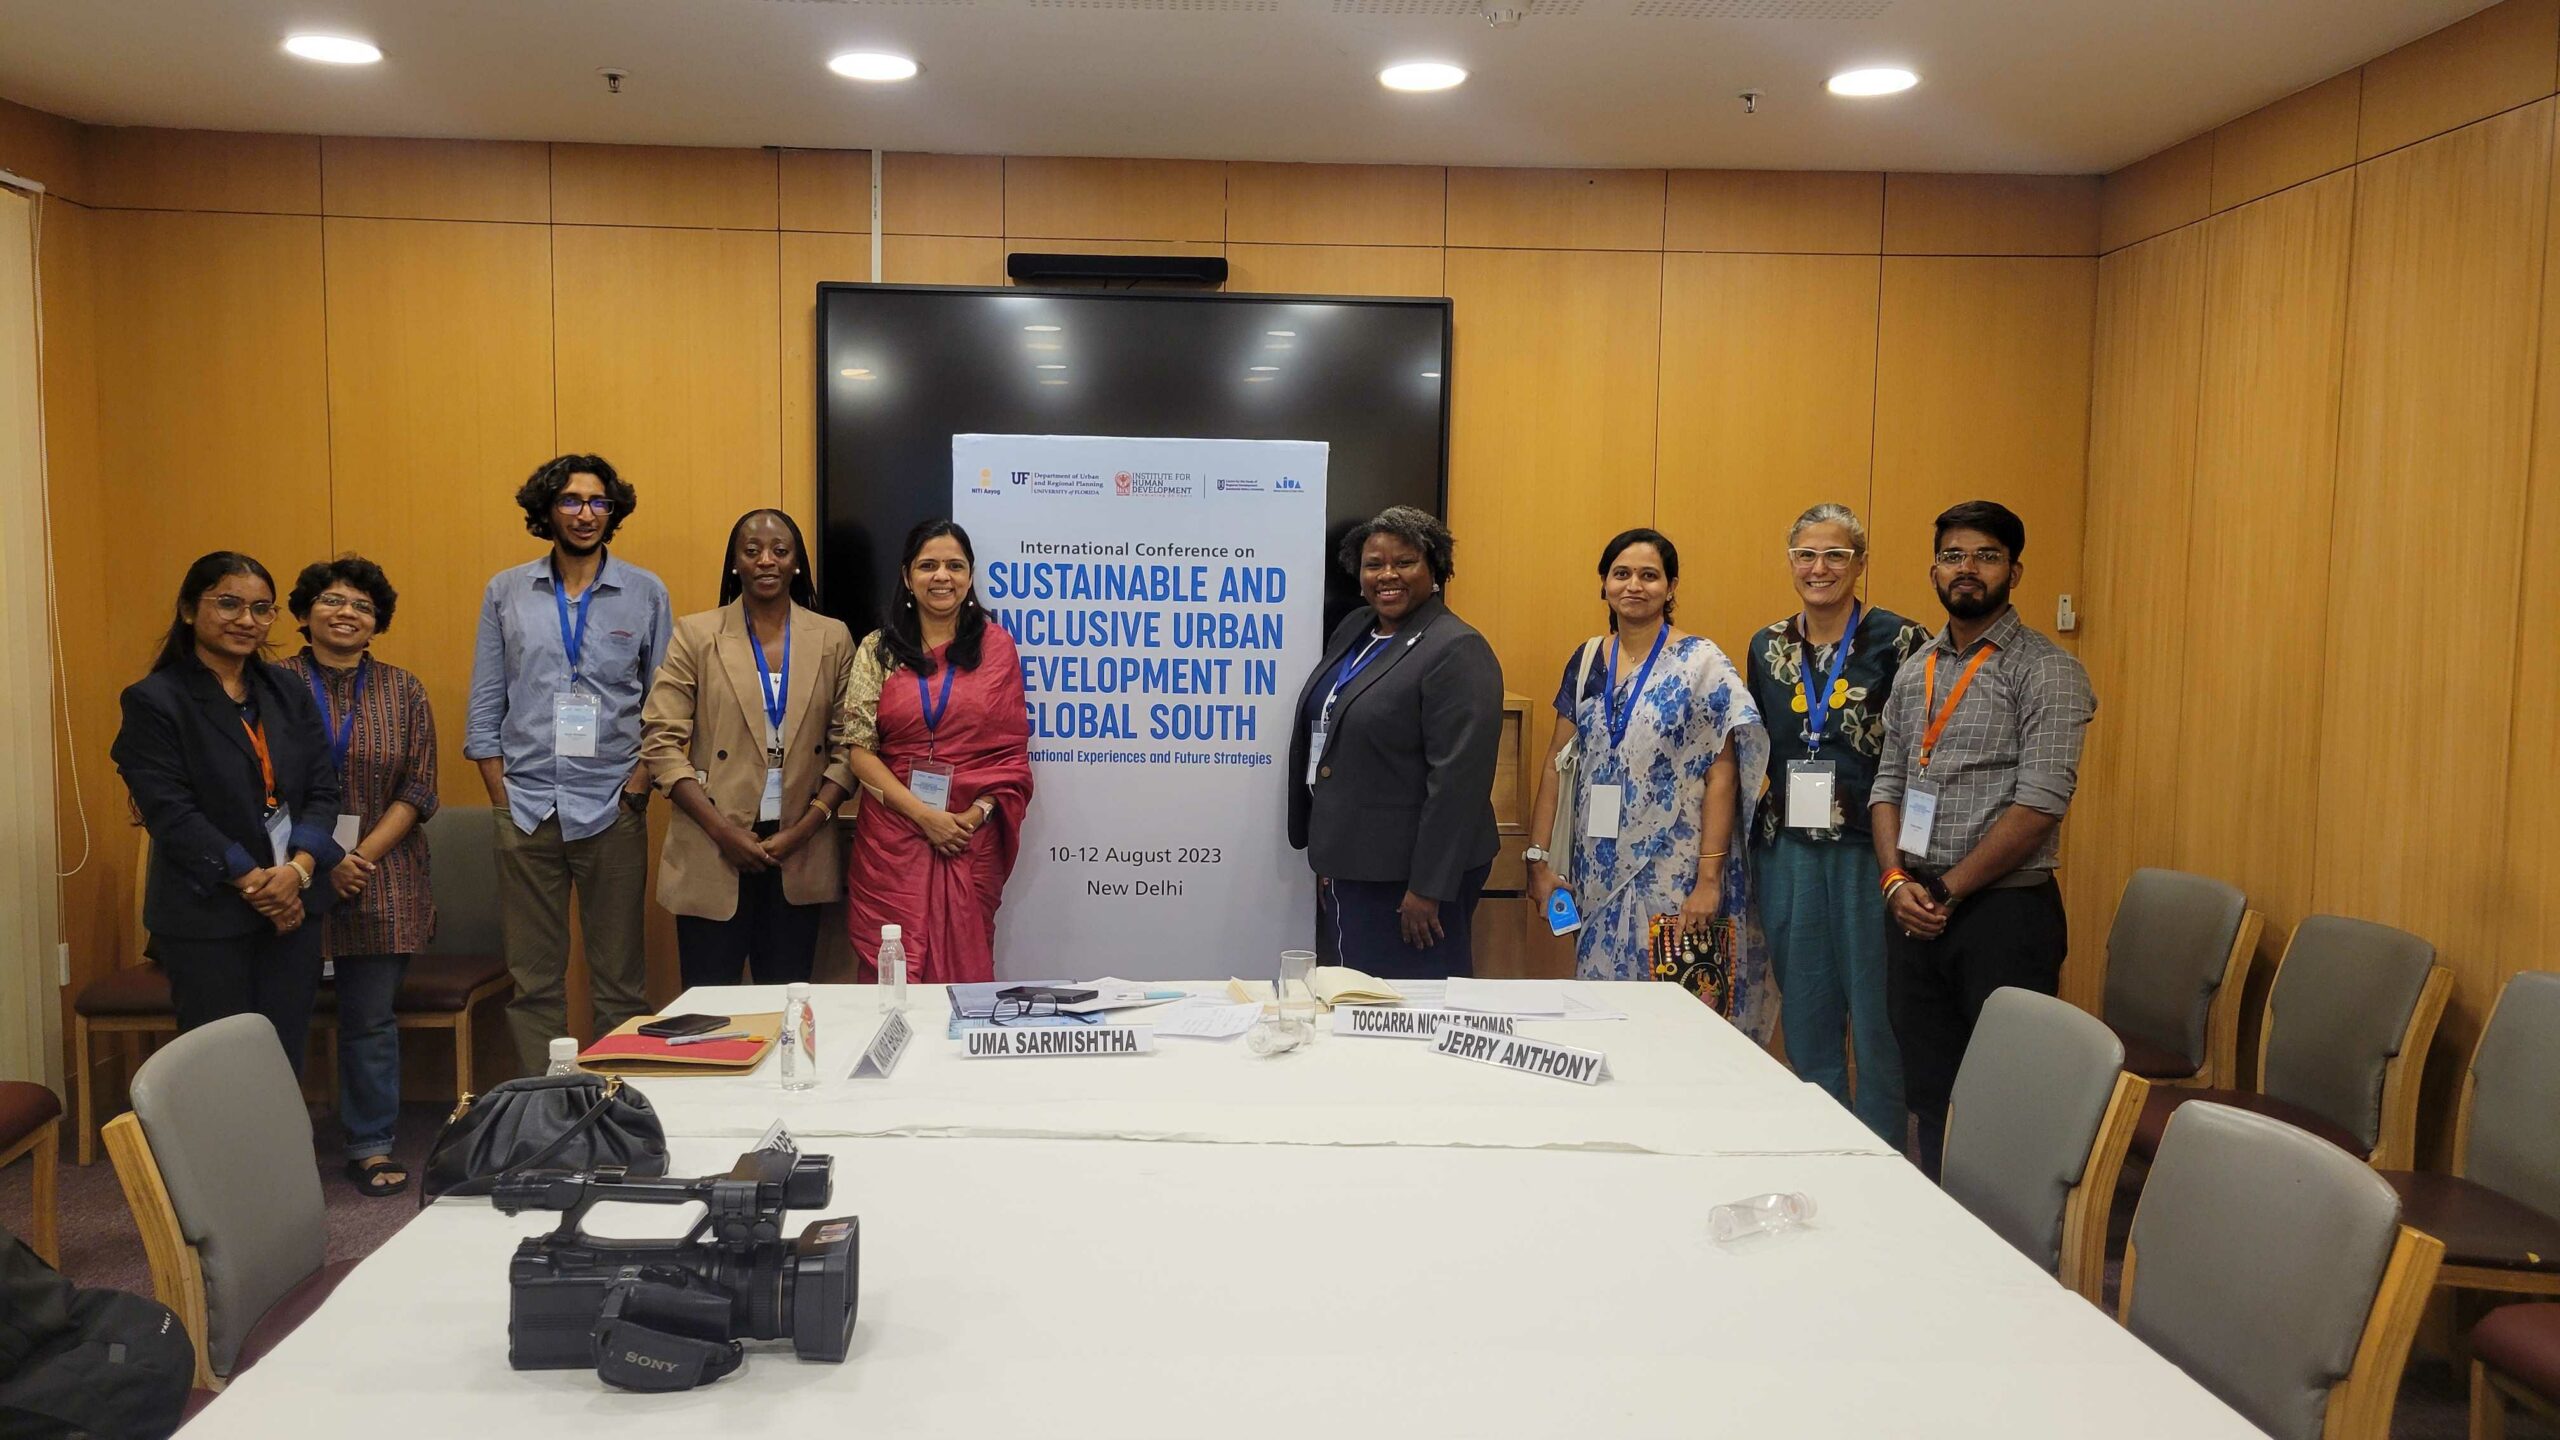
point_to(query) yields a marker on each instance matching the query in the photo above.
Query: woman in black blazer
(229, 770)
(1391, 760)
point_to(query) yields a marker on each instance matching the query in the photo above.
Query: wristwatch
(1534, 855)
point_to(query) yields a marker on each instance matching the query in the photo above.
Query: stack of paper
(1526, 999)
(1342, 985)
(1206, 1017)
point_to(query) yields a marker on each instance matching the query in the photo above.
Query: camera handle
(636, 1356)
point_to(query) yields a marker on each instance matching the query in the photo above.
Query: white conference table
(1460, 1286)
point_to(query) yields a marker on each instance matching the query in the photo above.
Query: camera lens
(822, 1288)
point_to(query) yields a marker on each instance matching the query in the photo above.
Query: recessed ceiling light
(1042, 329)
(872, 65)
(1051, 366)
(1430, 374)
(1263, 369)
(1042, 345)
(1053, 382)
(1886, 81)
(1281, 334)
(332, 49)
(855, 374)
(1278, 345)
(1422, 75)
(1257, 379)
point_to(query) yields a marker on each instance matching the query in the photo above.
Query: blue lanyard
(573, 643)
(775, 698)
(933, 709)
(1618, 722)
(1349, 670)
(340, 736)
(1817, 708)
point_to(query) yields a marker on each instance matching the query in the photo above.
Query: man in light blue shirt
(568, 645)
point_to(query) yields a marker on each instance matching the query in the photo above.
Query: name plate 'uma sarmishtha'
(1518, 1052)
(1048, 1042)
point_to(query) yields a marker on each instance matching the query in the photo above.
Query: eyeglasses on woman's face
(230, 606)
(336, 600)
(1805, 558)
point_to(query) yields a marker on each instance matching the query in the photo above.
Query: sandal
(377, 1176)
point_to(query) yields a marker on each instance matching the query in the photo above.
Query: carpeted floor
(101, 1247)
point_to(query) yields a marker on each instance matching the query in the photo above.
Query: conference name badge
(888, 1043)
(1056, 1042)
(930, 783)
(770, 807)
(1812, 790)
(1919, 820)
(1600, 819)
(1518, 1052)
(280, 833)
(1381, 1022)
(576, 716)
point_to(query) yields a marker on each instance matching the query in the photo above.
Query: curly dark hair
(539, 494)
(1416, 527)
(349, 569)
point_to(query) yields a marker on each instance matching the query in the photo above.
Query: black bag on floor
(553, 1122)
(85, 1362)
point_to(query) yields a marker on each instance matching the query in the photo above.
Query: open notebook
(1331, 984)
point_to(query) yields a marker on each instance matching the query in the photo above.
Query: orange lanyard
(1938, 718)
(266, 764)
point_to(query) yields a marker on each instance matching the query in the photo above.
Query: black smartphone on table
(668, 1027)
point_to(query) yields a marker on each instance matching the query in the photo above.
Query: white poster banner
(1167, 597)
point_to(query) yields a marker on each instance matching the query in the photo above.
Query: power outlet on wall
(2064, 617)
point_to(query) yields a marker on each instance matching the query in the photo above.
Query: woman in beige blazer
(746, 729)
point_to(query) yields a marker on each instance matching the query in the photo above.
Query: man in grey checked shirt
(1981, 754)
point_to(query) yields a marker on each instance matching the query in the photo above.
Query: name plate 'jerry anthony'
(1395, 1023)
(1515, 1052)
(999, 1043)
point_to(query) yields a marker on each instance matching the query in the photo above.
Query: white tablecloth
(1029, 1287)
(1683, 1082)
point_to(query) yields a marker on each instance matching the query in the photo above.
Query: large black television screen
(904, 368)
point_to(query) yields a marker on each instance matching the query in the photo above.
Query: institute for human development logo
(1122, 481)
(1154, 482)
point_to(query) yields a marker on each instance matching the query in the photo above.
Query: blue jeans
(369, 1051)
(1824, 919)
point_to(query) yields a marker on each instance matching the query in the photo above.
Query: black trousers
(1358, 928)
(1934, 989)
(769, 934)
(268, 974)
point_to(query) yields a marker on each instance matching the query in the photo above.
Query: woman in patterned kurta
(1688, 763)
(383, 737)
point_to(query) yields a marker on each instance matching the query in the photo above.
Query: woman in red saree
(942, 746)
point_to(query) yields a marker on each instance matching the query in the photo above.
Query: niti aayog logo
(987, 482)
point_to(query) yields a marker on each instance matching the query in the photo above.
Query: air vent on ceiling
(1540, 9)
(1182, 7)
(1760, 9)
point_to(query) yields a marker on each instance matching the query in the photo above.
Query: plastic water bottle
(564, 1056)
(1759, 1215)
(799, 1040)
(893, 969)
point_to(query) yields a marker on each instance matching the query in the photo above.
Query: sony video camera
(670, 1314)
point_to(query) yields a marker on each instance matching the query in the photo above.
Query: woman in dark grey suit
(1391, 760)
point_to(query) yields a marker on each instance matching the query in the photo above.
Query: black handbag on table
(547, 1122)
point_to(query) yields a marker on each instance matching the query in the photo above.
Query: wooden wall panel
(665, 356)
(1990, 215)
(1755, 431)
(435, 179)
(2150, 197)
(827, 190)
(670, 185)
(1982, 392)
(1553, 445)
(2307, 134)
(1337, 204)
(1116, 199)
(807, 260)
(2257, 546)
(45, 147)
(2443, 319)
(942, 194)
(2502, 57)
(2142, 434)
(2529, 903)
(1789, 212)
(440, 404)
(940, 260)
(1557, 209)
(1335, 269)
(142, 169)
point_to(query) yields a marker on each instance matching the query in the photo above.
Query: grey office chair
(216, 1161)
(2271, 1266)
(2343, 1043)
(2037, 1130)
(2498, 1213)
(2177, 961)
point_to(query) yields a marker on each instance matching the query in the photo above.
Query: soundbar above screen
(904, 368)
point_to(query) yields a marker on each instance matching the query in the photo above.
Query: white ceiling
(2018, 85)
